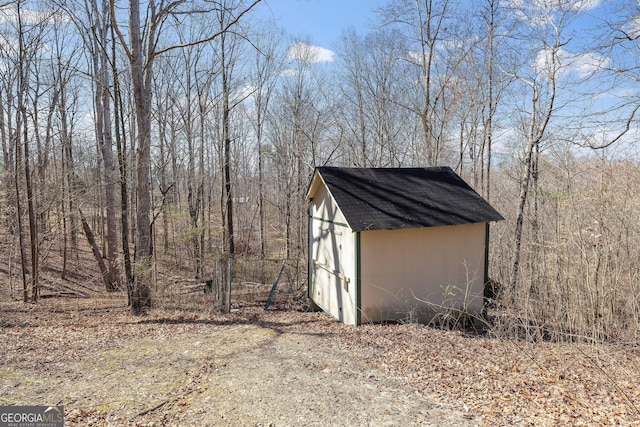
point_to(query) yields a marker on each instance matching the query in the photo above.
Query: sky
(319, 24)
(321, 21)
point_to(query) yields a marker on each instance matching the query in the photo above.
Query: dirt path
(297, 379)
(187, 366)
(238, 372)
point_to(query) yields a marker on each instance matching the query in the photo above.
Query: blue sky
(321, 21)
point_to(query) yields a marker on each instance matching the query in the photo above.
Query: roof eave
(415, 227)
(313, 185)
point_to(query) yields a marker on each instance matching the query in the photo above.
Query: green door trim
(486, 253)
(358, 278)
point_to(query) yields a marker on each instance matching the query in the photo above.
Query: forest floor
(278, 367)
(186, 364)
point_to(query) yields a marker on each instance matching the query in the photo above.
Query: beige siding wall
(332, 259)
(403, 268)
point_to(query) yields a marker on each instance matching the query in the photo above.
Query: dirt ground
(250, 368)
(283, 367)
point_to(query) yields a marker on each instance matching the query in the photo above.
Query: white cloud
(553, 5)
(584, 5)
(608, 136)
(544, 62)
(31, 16)
(245, 92)
(617, 93)
(292, 72)
(287, 72)
(534, 12)
(584, 64)
(305, 52)
(540, 12)
(632, 27)
(587, 63)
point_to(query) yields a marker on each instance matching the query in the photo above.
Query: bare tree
(492, 98)
(92, 21)
(232, 53)
(226, 70)
(142, 48)
(189, 109)
(29, 28)
(492, 85)
(539, 78)
(121, 147)
(619, 66)
(66, 55)
(297, 129)
(266, 67)
(372, 73)
(167, 134)
(103, 94)
(426, 25)
(352, 54)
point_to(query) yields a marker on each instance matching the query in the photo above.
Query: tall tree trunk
(193, 193)
(201, 179)
(140, 78)
(525, 181)
(543, 86)
(164, 188)
(488, 128)
(227, 196)
(68, 179)
(5, 143)
(18, 170)
(121, 147)
(537, 126)
(23, 127)
(110, 200)
(427, 43)
(260, 184)
(105, 143)
(33, 225)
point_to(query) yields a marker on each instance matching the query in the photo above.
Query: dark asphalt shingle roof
(395, 198)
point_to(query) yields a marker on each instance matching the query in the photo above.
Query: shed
(396, 243)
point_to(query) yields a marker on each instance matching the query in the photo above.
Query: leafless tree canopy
(173, 136)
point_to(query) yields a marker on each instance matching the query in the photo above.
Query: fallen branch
(96, 251)
(145, 412)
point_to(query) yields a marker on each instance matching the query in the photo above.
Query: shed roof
(396, 198)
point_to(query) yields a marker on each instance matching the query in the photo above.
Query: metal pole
(229, 265)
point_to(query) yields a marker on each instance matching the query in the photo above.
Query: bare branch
(213, 36)
(630, 119)
(114, 24)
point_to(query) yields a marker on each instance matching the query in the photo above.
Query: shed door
(332, 288)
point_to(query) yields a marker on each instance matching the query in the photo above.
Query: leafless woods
(171, 135)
